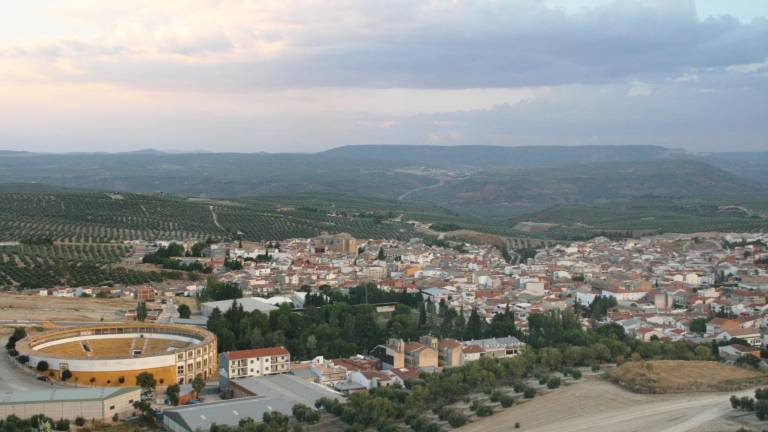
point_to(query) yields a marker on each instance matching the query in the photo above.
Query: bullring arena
(112, 355)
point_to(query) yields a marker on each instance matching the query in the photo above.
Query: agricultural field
(97, 217)
(45, 266)
(648, 215)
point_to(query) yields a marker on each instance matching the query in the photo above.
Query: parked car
(43, 378)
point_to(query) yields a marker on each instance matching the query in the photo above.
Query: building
(145, 293)
(114, 354)
(99, 403)
(391, 355)
(339, 243)
(249, 304)
(449, 353)
(505, 347)
(752, 337)
(255, 362)
(253, 397)
(418, 355)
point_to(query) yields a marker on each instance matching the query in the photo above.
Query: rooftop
(64, 395)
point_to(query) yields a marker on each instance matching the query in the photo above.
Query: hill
(673, 376)
(482, 180)
(483, 157)
(510, 191)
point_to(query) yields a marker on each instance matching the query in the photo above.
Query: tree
(551, 358)
(198, 384)
(66, 374)
(173, 394)
(699, 325)
(381, 255)
(145, 408)
(184, 311)
(147, 382)
(141, 311)
(42, 366)
(474, 326)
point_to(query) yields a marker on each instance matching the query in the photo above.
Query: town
(446, 306)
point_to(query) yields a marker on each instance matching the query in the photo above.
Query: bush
(457, 419)
(595, 368)
(529, 393)
(484, 411)
(79, 421)
(761, 408)
(735, 402)
(115, 417)
(23, 359)
(66, 374)
(576, 374)
(553, 383)
(42, 366)
(496, 396)
(62, 425)
(506, 401)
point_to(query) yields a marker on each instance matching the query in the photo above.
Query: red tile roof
(472, 349)
(258, 352)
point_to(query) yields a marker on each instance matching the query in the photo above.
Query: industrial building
(254, 397)
(99, 403)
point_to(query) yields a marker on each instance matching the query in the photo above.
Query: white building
(255, 362)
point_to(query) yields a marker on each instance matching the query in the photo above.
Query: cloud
(436, 44)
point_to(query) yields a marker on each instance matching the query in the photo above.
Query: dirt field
(595, 405)
(669, 376)
(36, 308)
(189, 301)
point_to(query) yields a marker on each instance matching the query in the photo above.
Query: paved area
(14, 378)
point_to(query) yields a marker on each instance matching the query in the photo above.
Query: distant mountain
(752, 165)
(496, 156)
(509, 191)
(479, 180)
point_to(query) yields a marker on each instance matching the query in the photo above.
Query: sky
(305, 76)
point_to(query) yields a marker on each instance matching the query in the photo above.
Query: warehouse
(264, 394)
(91, 403)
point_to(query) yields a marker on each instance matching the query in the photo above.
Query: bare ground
(674, 376)
(595, 405)
(36, 308)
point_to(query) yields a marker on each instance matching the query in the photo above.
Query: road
(14, 378)
(436, 185)
(598, 406)
(215, 218)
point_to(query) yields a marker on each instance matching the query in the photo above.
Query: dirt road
(598, 406)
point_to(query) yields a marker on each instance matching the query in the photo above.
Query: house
(751, 336)
(419, 355)
(471, 353)
(404, 375)
(504, 347)
(731, 353)
(255, 362)
(449, 353)
(371, 379)
(718, 325)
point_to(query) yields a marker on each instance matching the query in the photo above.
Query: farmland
(44, 266)
(97, 217)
